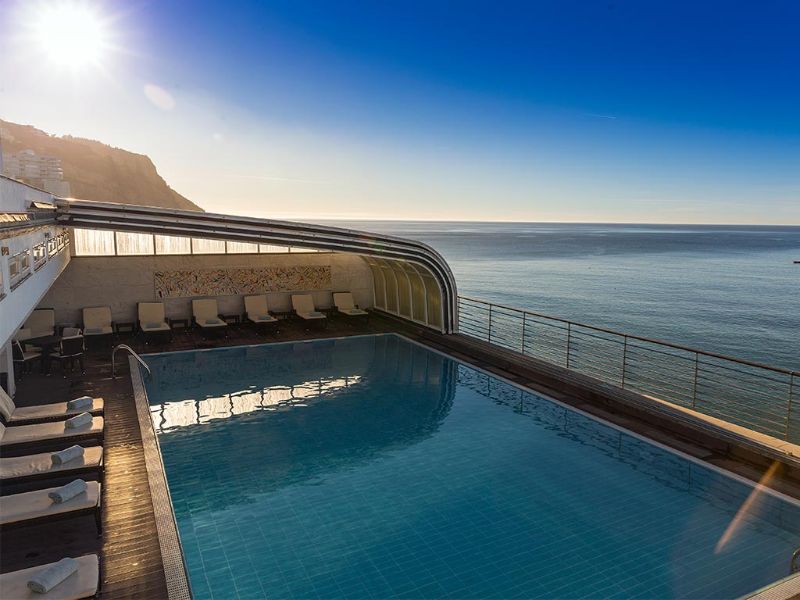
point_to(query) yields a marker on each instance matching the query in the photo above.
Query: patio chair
(41, 323)
(22, 436)
(70, 349)
(83, 583)
(33, 467)
(205, 314)
(152, 321)
(14, 415)
(37, 507)
(97, 324)
(303, 305)
(343, 301)
(22, 358)
(256, 311)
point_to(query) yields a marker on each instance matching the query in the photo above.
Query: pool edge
(175, 572)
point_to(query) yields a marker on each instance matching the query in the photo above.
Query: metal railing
(132, 353)
(746, 393)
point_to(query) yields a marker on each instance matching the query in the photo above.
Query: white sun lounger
(81, 584)
(206, 314)
(303, 305)
(152, 319)
(343, 301)
(257, 309)
(36, 466)
(14, 415)
(37, 506)
(41, 323)
(97, 321)
(48, 432)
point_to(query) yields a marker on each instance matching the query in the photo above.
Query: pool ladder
(794, 567)
(132, 353)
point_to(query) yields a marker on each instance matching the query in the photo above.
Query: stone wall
(122, 281)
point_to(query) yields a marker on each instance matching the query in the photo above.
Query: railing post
(523, 332)
(789, 405)
(694, 384)
(624, 360)
(569, 339)
(490, 324)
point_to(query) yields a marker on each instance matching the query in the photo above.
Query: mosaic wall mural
(231, 282)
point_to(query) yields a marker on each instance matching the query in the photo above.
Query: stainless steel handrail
(794, 567)
(133, 353)
(633, 337)
(750, 394)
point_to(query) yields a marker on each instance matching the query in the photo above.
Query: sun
(71, 33)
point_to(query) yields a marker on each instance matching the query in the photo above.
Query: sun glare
(71, 34)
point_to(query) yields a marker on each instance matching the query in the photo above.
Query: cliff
(96, 171)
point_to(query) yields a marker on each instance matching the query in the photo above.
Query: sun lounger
(41, 323)
(83, 583)
(14, 415)
(56, 431)
(40, 466)
(256, 310)
(97, 323)
(29, 508)
(152, 320)
(303, 305)
(205, 313)
(343, 301)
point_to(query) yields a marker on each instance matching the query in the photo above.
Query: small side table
(232, 319)
(184, 323)
(126, 327)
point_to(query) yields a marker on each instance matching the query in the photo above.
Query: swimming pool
(373, 467)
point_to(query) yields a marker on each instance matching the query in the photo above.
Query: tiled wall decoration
(231, 282)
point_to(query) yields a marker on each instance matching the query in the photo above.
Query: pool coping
(175, 570)
(169, 541)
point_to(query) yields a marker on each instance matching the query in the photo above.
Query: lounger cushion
(82, 584)
(37, 504)
(105, 330)
(262, 319)
(39, 464)
(353, 312)
(20, 434)
(311, 315)
(213, 323)
(47, 411)
(155, 327)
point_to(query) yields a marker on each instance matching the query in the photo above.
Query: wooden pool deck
(131, 563)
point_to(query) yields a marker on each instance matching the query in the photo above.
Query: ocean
(733, 290)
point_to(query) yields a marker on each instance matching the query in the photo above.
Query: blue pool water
(372, 467)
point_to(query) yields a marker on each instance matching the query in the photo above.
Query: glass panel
(203, 246)
(403, 290)
(91, 242)
(434, 301)
(269, 248)
(391, 288)
(380, 287)
(297, 250)
(242, 248)
(129, 244)
(168, 244)
(417, 294)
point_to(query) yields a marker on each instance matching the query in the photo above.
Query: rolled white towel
(67, 492)
(46, 579)
(63, 456)
(80, 403)
(78, 421)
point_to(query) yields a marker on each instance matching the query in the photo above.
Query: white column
(7, 366)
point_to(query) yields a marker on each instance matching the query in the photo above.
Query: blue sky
(557, 111)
